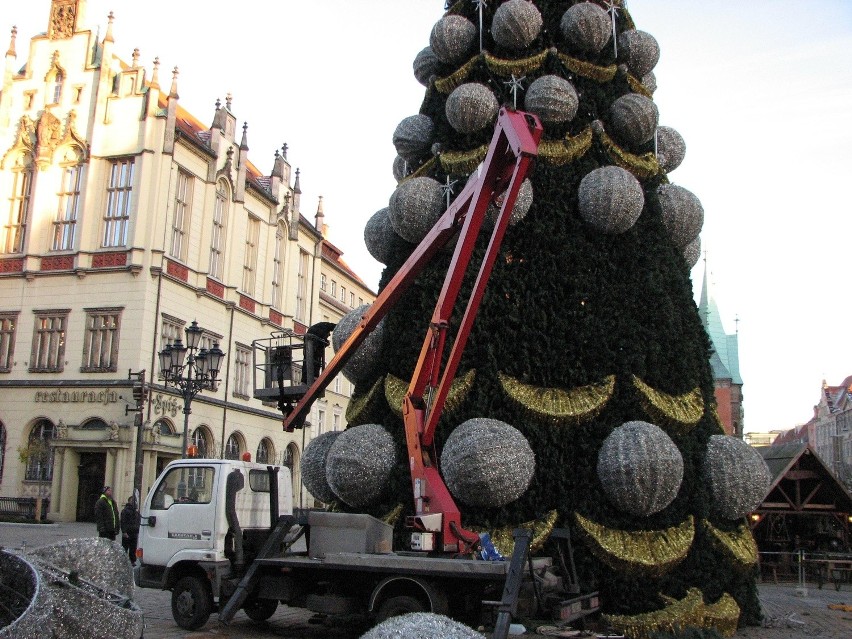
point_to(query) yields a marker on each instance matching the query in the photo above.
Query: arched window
(201, 441)
(15, 228)
(233, 447)
(220, 225)
(94, 424)
(265, 451)
(40, 452)
(2, 448)
(58, 80)
(65, 224)
(163, 427)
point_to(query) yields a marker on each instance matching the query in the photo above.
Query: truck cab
(187, 544)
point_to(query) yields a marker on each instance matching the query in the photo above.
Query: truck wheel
(192, 603)
(260, 609)
(395, 606)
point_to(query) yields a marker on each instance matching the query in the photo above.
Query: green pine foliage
(567, 306)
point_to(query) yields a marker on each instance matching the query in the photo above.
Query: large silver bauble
(360, 364)
(738, 476)
(649, 81)
(413, 137)
(426, 64)
(692, 252)
(359, 464)
(313, 466)
(486, 462)
(586, 27)
(516, 24)
(682, 213)
(640, 468)
(471, 107)
(452, 38)
(671, 148)
(401, 168)
(634, 118)
(640, 50)
(552, 98)
(610, 199)
(415, 206)
(380, 238)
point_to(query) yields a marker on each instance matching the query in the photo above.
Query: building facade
(126, 218)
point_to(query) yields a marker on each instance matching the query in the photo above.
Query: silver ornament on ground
(426, 64)
(671, 148)
(516, 24)
(633, 118)
(586, 27)
(471, 107)
(682, 213)
(28, 607)
(415, 206)
(552, 98)
(359, 464)
(413, 137)
(737, 474)
(649, 81)
(363, 362)
(610, 199)
(640, 468)
(401, 168)
(692, 252)
(313, 466)
(486, 462)
(640, 50)
(380, 238)
(452, 39)
(422, 625)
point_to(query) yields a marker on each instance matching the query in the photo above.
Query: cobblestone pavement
(790, 612)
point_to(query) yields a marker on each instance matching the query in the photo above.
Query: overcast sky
(761, 91)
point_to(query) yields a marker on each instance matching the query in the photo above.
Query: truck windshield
(184, 486)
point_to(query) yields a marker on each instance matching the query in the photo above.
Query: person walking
(130, 520)
(106, 515)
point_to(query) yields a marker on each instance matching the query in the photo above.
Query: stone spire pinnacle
(244, 142)
(108, 37)
(155, 74)
(135, 57)
(10, 53)
(173, 92)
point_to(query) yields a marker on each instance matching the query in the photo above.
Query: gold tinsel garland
(637, 87)
(738, 545)
(587, 69)
(680, 412)
(448, 83)
(724, 615)
(541, 527)
(395, 390)
(640, 552)
(359, 410)
(568, 149)
(423, 169)
(642, 166)
(460, 162)
(522, 66)
(393, 516)
(677, 615)
(556, 405)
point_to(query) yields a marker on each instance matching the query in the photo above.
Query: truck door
(186, 514)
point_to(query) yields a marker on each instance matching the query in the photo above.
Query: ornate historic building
(725, 363)
(124, 219)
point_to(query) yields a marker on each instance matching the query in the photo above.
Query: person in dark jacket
(130, 520)
(106, 515)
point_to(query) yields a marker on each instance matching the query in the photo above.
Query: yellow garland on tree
(738, 545)
(447, 84)
(360, 410)
(637, 87)
(460, 162)
(556, 405)
(568, 149)
(505, 542)
(521, 66)
(724, 615)
(393, 516)
(677, 615)
(423, 169)
(639, 552)
(680, 412)
(395, 390)
(587, 69)
(642, 166)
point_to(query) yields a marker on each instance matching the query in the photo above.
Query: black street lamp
(190, 369)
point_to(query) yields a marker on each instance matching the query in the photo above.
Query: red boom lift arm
(510, 154)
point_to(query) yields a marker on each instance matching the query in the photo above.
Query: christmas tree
(584, 398)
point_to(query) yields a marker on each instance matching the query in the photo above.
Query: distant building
(761, 439)
(124, 219)
(724, 362)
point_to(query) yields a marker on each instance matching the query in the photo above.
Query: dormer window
(58, 79)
